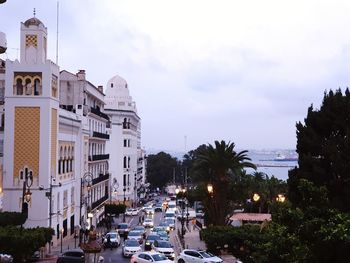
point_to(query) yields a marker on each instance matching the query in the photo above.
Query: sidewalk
(192, 241)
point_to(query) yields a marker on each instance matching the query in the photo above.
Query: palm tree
(218, 166)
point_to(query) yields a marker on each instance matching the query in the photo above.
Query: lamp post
(62, 231)
(256, 198)
(124, 200)
(182, 213)
(177, 191)
(27, 183)
(49, 196)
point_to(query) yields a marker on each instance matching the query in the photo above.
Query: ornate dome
(33, 22)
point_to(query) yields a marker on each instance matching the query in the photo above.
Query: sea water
(266, 162)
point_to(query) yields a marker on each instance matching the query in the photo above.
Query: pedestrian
(194, 223)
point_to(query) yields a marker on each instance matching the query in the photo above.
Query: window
(111, 85)
(72, 196)
(65, 198)
(125, 143)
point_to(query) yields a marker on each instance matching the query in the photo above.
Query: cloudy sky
(241, 71)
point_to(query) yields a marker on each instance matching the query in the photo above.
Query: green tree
(218, 165)
(323, 146)
(160, 169)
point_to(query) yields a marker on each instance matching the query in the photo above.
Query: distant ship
(283, 158)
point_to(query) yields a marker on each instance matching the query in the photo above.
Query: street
(115, 255)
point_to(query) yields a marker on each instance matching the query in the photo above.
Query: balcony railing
(97, 112)
(98, 157)
(100, 178)
(99, 201)
(100, 135)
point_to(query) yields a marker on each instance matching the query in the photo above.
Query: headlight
(148, 243)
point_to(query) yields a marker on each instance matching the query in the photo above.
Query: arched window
(37, 88)
(128, 162)
(28, 86)
(125, 162)
(125, 125)
(19, 87)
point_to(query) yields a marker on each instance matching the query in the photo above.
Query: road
(115, 255)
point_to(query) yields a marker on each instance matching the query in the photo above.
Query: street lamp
(280, 198)
(256, 197)
(62, 231)
(177, 191)
(183, 191)
(49, 196)
(27, 183)
(210, 189)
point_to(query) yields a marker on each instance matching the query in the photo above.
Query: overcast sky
(240, 71)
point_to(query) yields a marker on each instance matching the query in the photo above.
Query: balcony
(100, 178)
(98, 157)
(97, 112)
(100, 135)
(99, 201)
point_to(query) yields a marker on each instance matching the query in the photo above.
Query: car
(150, 239)
(142, 229)
(165, 225)
(169, 215)
(159, 228)
(149, 211)
(128, 211)
(114, 239)
(135, 212)
(158, 207)
(148, 222)
(165, 248)
(170, 223)
(197, 256)
(163, 235)
(146, 257)
(136, 235)
(123, 229)
(130, 247)
(190, 214)
(72, 256)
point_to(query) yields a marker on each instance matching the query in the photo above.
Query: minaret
(31, 125)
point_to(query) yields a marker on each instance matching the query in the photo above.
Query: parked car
(72, 256)
(131, 247)
(165, 248)
(146, 257)
(136, 235)
(150, 239)
(123, 229)
(197, 256)
(190, 214)
(114, 240)
(148, 222)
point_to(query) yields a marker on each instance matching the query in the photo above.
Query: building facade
(124, 146)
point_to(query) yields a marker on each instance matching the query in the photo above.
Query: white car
(128, 212)
(113, 238)
(197, 256)
(146, 257)
(131, 247)
(134, 212)
(165, 248)
(149, 211)
(148, 222)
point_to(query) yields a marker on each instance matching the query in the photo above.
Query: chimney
(100, 88)
(81, 74)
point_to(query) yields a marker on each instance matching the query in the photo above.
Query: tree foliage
(21, 243)
(160, 169)
(218, 166)
(323, 146)
(12, 219)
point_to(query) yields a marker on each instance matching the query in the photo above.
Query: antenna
(185, 143)
(57, 34)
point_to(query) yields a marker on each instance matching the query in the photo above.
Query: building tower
(124, 147)
(31, 115)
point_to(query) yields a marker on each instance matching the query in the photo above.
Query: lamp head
(210, 188)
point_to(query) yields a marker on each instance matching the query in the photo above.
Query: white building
(127, 158)
(55, 163)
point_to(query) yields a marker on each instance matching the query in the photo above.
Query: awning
(251, 217)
